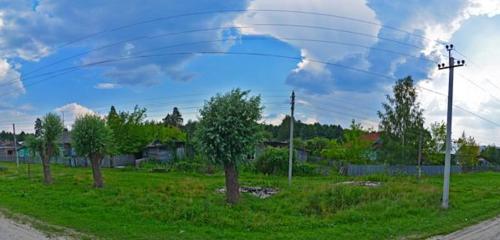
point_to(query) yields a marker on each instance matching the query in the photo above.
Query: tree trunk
(47, 176)
(96, 172)
(232, 185)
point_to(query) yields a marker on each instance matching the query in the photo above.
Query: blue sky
(385, 41)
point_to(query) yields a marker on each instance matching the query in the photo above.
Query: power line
(152, 20)
(25, 77)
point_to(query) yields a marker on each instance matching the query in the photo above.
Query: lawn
(137, 204)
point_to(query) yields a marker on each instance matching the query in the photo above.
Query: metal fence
(363, 170)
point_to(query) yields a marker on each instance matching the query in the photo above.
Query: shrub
(273, 161)
(305, 169)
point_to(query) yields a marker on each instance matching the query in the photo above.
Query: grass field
(137, 204)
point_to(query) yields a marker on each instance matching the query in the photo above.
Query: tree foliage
(91, 139)
(468, 151)
(354, 148)
(303, 130)
(227, 133)
(492, 154)
(51, 131)
(401, 123)
(131, 133)
(174, 119)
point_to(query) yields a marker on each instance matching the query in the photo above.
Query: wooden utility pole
(15, 144)
(290, 157)
(447, 160)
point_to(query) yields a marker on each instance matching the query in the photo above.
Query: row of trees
(91, 139)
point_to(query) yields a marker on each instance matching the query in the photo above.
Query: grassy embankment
(137, 204)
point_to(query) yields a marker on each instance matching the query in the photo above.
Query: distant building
(165, 152)
(8, 151)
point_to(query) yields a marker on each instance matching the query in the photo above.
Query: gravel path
(10, 230)
(487, 230)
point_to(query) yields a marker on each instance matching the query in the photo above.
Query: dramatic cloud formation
(30, 32)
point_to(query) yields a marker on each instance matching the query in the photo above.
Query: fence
(121, 160)
(362, 170)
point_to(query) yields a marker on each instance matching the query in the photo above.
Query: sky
(341, 57)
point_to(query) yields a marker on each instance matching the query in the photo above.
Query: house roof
(372, 137)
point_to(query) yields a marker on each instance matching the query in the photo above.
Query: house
(65, 144)
(165, 152)
(376, 143)
(8, 151)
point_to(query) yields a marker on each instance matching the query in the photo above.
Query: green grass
(137, 204)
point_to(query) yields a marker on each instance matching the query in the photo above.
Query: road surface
(487, 230)
(10, 230)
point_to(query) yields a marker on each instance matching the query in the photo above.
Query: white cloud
(314, 50)
(72, 111)
(273, 119)
(10, 81)
(32, 34)
(106, 86)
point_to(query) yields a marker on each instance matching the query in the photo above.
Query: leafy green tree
(38, 127)
(468, 151)
(35, 149)
(316, 145)
(228, 131)
(492, 154)
(51, 131)
(91, 139)
(353, 149)
(401, 124)
(174, 119)
(273, 161)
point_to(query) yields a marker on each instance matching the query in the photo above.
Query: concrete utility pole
(290, 157)
(419, 174)
(447, 160)
(15, 143)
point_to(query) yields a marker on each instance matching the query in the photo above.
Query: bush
(305, 169)
(273, 161)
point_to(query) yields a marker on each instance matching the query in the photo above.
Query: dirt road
(487, 230)
(10, 230)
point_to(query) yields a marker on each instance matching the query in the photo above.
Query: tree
(51, 131)
(228, 131)
(35, 148)
(468, 151)
(401, 124)
(492, 154)
(38, 127)
(91, 138)
(174, 119)
(353, 149)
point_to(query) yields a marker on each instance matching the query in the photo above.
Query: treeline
(302, 130)
(132, 132)
(9, 136)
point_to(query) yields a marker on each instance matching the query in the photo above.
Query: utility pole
(447, 160)
(420, 154)
(15, 144)
(290, 157)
